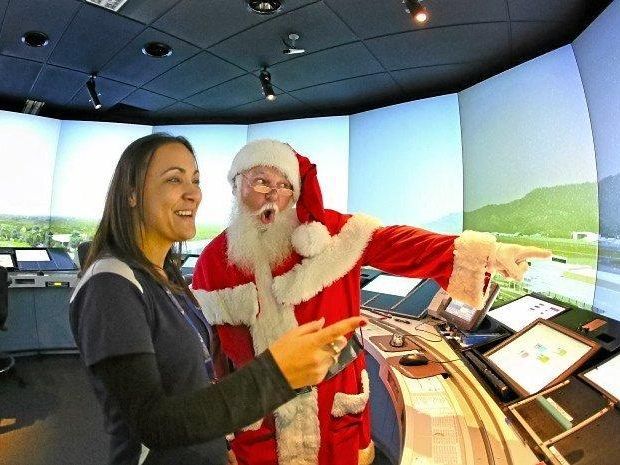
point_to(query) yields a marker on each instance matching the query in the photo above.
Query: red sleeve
(412, 252)
(236, 341)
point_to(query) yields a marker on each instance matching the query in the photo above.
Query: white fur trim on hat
(310, 239)
(471, 257)
(267, 152)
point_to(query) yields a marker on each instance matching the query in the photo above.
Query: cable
(417, 328)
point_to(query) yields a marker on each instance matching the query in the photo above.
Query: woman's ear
(133, 199)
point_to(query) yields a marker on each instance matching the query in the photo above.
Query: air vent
(113, 5)
(33, 107)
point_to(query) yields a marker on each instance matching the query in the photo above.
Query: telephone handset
(438, 304)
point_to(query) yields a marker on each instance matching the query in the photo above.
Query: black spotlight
(35, 39)
(92, 91)
(157, 50)
(265, 82)
(417, 11)
(264, 7)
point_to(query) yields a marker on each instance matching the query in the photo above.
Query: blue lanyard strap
(205, 349)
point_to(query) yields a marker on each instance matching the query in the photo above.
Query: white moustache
(267, 206)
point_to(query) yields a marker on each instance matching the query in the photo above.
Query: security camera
(290, 46)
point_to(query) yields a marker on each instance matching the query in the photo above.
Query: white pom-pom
(310, 239)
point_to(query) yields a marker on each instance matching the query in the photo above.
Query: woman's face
(171, 196)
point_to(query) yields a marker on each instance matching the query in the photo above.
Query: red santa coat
(331, 424)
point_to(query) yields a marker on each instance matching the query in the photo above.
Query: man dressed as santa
(276, 267)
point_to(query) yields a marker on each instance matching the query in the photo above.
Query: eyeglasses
(266, 189)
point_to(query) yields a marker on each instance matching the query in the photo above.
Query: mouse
(414, 359)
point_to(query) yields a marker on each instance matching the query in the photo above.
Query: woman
(144, 342)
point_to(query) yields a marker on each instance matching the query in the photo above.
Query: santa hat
(311, 236)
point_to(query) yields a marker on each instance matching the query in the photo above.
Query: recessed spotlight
(417, 11)
(265, 83)
(35, 39)
(264, 7)
(157, 49)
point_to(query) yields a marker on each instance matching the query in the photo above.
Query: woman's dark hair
(121, 225)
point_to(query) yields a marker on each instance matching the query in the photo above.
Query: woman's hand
(304, 354)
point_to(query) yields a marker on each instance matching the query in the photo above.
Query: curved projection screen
(529, 155)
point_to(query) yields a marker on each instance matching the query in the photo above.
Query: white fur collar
(313, 274)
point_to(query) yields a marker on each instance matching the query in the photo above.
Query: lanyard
(205, 349)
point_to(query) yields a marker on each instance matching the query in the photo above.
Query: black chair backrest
(4, 296)
(82, 252)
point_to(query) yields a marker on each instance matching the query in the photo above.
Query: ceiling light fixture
(92, 91)
(113, 5)
(417, 11)
(265, 83)
(290, 46)
(157, 49)
(35, 39)
(264, 7)
(32, 107)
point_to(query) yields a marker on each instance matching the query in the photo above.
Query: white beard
(252, 245)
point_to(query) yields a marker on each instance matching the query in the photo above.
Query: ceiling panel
(179, 110)
(361, 54)
(335, 64)
(132, 66)
(146, 11)
(94, 36)
(549, 10)
(205, 23)
(236, 92)
(369, 18)
(110, 93)
(527, 38)
(196, 74)
(57, 86)
(356, 92)
(147, 100)
(427, 80)
(453, 44)
(284, 107)
(35, 15)
(317, 26)
(18, 75)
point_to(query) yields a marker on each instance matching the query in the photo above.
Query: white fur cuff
(310, 239)
(471, 258)
(235, 305)
(352, 403)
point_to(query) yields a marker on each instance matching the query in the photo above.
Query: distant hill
(551, 211)
(609, 195)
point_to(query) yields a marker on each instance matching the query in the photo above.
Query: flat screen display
(6, 260)
(606, 376)
(190, 262)
(519, 313)
(392, 285)
(32, 255)
(538, 356)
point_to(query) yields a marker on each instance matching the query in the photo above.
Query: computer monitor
(519, 313)
(605, 377)
(32, 255)
(190, 261)
(7, 261)
(539, 356)
(392, 285)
